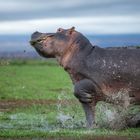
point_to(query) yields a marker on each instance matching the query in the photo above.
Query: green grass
(37, 101)
(132, 133)
(33, 81)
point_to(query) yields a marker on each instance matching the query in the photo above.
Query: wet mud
(6, 105)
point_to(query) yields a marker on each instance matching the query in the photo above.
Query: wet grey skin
(98, 74)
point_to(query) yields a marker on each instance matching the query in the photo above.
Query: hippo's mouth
(40, 39)
(37, 41)
(37, 44)
(33, 42)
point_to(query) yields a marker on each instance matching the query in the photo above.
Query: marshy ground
(36, 101)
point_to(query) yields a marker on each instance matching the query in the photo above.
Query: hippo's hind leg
(84, 90)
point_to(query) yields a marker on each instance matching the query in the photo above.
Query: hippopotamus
(98, 74)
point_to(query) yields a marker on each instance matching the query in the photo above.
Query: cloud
(35, 9)
(99, 16)
(86, 25)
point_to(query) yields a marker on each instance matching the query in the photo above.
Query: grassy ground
(36, 100)
(33, 80)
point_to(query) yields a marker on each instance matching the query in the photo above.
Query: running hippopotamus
(98, 74)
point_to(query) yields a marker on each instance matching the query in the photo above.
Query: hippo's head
(53, 44)
(57, 44)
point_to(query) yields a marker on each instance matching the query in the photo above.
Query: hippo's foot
(89, 112)
(84, 91)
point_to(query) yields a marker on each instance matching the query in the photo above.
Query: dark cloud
(35, 9)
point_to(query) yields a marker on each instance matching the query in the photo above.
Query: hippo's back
(115, 70)
(109, 62)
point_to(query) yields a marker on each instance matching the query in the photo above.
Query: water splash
(65, 114)
(110, 116)
(67, 119)
(25, 121)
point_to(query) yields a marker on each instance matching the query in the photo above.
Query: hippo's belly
(121, 93)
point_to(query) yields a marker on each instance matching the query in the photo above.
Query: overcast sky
(88, 16)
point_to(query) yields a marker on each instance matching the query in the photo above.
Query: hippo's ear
(71, 30)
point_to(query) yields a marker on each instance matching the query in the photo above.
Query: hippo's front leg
(85, 91)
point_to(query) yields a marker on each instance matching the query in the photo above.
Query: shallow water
(62, 118)
(67, 116)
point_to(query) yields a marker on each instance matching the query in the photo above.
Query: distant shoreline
(20, 43)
